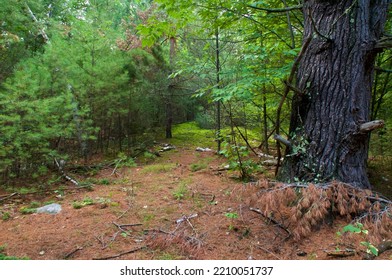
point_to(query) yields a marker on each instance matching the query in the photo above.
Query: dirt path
(177, 206)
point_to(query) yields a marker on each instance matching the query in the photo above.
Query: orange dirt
(148, 202)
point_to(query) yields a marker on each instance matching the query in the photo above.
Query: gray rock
(53, 208)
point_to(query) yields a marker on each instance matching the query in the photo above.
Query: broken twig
(121, 254)
(67, 256)
(8, 196)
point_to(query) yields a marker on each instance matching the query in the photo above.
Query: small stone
(42, 253)
(301, 253)
(53, 208)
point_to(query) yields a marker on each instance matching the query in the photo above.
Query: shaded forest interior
(81, 79)
(273, 88)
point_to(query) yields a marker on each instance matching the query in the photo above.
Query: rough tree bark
(335, 80)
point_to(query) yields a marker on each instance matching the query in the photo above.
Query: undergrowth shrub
(303, 208)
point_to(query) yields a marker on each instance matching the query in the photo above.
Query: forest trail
(178, 206)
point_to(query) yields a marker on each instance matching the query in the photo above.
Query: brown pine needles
(304, 208)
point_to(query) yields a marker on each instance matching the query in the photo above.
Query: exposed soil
(148, 200)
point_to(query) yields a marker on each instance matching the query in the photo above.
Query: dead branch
(121, 254)
(282, 140)
(60, 167)
(120, 227)
(268, 251)
(340, 253)
(224, 168)
(379, 69)
(271, 220)
(111, 240)
(7, 196)
(384, 42)
(370, 126)
(33, 17)
(115, 168)
(67, 256)
(126, 211)
(266, 156)
(276, 10)
(186, 218)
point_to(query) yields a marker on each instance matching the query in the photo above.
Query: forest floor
(180, 205)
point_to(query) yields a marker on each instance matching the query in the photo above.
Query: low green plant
(80, 204)
(34, 204)
(124, 161)
(5, 216)
(5, 257)
(238, 159)
(181, 191)
(27, 210)
(197, 166)
(358, 228)
(158, 168)
(24, 190)
(231, 216)
(104, 181)
(148, 217)
(148, 157)
(168, 256)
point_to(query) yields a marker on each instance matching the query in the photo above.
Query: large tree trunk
(335, 79)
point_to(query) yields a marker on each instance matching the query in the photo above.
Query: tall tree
(330, 110)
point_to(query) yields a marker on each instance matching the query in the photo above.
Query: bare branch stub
(370, 126)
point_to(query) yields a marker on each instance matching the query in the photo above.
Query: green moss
(159, 168)
(197, 166)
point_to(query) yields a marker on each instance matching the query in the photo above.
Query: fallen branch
(271, 220)
(224, 168)
(115, 168)
(60, 167)
(7, 196)
(268, 251)
(121, 254)
(266, 156)
(122, 214)
(67, 256)
(186, 218)
(120, 227)
(340, 253)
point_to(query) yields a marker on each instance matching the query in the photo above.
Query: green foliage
(159, 168)
(238, 160)
(198, 166)
(5, 216)
(5, 257)
(27, 210)
(205, 120)
(124, 161)
(358, 228)
(180, 192)
(85, 202)
(231, 215)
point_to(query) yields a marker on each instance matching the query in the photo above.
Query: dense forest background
(81, 78)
